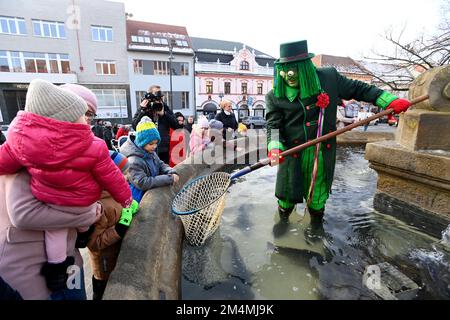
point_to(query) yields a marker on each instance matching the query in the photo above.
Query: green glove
(134, 207)
(385, 99)
(126, 217)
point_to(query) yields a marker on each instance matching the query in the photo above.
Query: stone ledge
(434, 165)
(358, 138)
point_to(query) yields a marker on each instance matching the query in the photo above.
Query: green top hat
(294, 51)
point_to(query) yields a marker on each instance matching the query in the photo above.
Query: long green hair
(307, 77)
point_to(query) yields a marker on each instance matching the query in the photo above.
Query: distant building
(150, 48)
(64, 42)
(233, 71)
(344, 65)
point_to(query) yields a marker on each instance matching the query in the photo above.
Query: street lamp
(171, 57)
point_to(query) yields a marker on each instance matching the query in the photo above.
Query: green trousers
(320, 194)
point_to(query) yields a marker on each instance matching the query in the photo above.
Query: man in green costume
(301, 107)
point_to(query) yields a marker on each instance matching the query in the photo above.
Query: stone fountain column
(414, 169)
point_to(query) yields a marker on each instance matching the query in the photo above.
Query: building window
(245, 65)
(162, 41)
(184, 68)
(15, 61)
(185, 100)
(105, 67)
(4, 64)
(111, 103)
(181, 43)
(49, 29)
(17, 64)
(260, 88)
(12, 25)
(227, 87)
(140, 39)
(100, 33)
(138, 66)
(160, 68)
(209, 86)
(244, 87)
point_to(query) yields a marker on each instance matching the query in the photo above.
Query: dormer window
(245, 65)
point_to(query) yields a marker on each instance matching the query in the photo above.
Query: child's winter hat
(119, 160)
(87, 95)
(45, 99)
(215, 124)
(242, 127)
(146, 132)
(203, 122)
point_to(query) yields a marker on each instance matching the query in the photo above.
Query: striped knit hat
(48, 100)
(120, 160)
(146, 132)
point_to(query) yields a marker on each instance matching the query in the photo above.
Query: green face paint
(290, 76)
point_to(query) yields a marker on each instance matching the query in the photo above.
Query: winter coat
(197, 142)
(229, 121)
(104, 243)
(297, 123)
(179, 140)
(98, 131)
(122, 132)
(164, 123)
(68, 165)
(108, 136)
(22, 221)
(145, 170)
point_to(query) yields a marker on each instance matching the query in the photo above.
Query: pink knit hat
(203, 122)
(87, 95)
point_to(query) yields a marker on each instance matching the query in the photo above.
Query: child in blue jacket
(146, 171)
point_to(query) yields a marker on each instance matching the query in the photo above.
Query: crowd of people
(86, 191)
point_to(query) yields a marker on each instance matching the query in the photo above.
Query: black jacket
(229, 121)
(164, 123)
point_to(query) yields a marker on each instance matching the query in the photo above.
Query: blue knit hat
(146, 132)
(119, 160)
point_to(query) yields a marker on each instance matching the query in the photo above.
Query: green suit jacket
(296, 123)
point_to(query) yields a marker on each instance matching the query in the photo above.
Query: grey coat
(146, 171)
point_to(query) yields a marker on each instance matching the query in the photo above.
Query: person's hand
(134, 207)
(176, 178)
(399, 105)
(144, 103)
(55, 274)
(275, 157)
(126, 217)
(99, 211)
(84, 237)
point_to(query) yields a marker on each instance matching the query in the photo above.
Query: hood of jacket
(47, 143)
(129, 148)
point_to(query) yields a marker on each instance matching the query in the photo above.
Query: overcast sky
(337, 27)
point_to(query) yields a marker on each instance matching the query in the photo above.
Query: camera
(154, 101)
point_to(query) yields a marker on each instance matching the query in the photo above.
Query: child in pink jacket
(199, 136)
(68, 165)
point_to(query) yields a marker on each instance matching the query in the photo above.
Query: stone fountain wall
(414, 169)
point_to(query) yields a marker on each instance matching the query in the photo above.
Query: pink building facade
(222, 71)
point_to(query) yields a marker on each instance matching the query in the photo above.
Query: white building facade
(161, 55)
(64, 41)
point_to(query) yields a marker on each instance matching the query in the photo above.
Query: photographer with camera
(153, 106)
